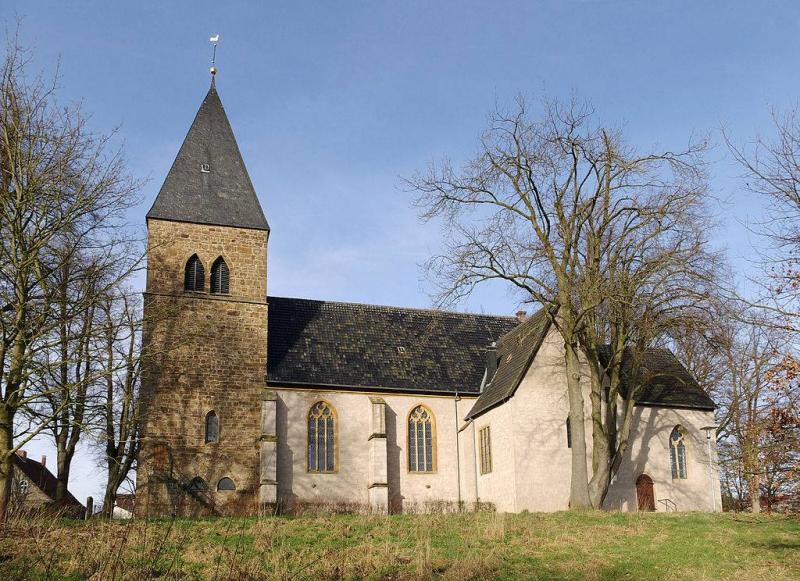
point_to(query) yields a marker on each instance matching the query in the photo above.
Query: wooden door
(645, 494)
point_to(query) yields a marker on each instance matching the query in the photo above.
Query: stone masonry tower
(203, 376)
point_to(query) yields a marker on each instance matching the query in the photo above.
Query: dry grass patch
(484, 545)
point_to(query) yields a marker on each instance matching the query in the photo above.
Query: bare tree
(772, 172)
(61, 192)
(761, 414)
(749, 367)
(121, 413)
(586, 226)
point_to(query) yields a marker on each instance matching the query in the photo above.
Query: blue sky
(333, 102)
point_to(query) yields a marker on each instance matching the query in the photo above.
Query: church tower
(205, 339)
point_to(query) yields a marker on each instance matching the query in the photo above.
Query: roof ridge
(396, 308)
(522, 326)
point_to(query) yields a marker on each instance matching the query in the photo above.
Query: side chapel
(256, 402)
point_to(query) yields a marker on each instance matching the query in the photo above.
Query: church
(256, 403)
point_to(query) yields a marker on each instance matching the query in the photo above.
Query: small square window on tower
(205, 168)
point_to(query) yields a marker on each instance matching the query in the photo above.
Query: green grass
(589, 545)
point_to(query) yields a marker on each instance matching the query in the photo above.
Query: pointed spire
(208, 182)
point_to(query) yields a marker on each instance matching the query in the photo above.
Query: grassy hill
(588, 545)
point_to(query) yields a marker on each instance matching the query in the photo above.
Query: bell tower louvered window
(194, 278)
(219, 277)
(421, 440)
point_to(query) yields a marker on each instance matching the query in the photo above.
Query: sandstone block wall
(203, 352)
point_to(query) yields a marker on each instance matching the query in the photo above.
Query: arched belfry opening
(220, 277)
(194, 275)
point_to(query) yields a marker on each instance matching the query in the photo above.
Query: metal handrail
(669, 505)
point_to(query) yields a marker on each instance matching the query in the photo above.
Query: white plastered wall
(532, 463)
(349, 484)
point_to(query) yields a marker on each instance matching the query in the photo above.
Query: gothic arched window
(321, 438)
(677, 452)
(194, 276)
(212, 427)
(219, 277)
(421, 440)
(226, 484)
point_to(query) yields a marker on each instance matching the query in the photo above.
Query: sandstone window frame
(226, 484)
(677, 453)
(194, 275)
(212, 427)
(419, 430)
(220, 277)
(485, 449)
(322, 413)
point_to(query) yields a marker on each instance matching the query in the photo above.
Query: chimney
(22, 453)
(491, 361)
(44, 461)
(521, 316)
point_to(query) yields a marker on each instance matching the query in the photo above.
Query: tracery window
(421, 440)
(219, 277)
(485, 450)
(194, 276)
(677, 453)
(321, 438)
(212, 427)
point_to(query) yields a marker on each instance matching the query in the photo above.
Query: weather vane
(214, 40)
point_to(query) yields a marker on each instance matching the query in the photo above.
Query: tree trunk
(579, 484)
(110, 495)
(752, 470)
(6, 460)
(601, 453)
(63, 464)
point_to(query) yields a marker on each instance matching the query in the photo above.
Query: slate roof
(665, 381)
(224, 195)
(320, 343)
(515, 352)
(41, 476)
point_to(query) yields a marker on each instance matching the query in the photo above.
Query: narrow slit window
(421, 440)
(194, 276)
(486, 450)
(220, 277)
(321, 438)
(212, 427)
(569, 433)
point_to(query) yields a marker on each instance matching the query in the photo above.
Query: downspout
(458, 450)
